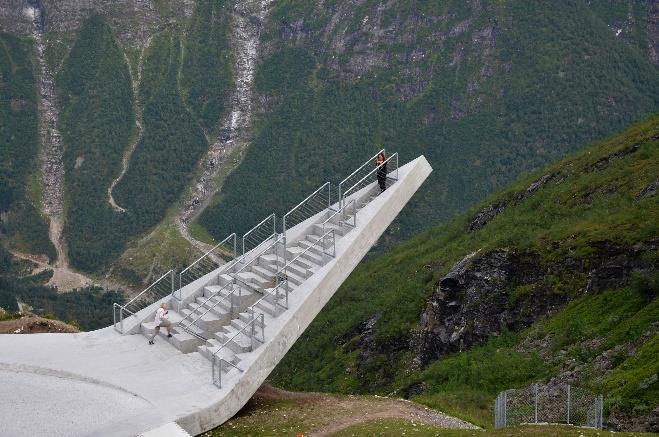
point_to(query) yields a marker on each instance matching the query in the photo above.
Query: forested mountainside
(20, 217)
(151, 104)
(487, 90)
(553, 279)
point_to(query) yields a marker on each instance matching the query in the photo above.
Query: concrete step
(217, 290)
(312, 243)
(267, 318)
(224, 279)
(272, 260)
(238, 342)
(314, 259)
(180, 339)
(263, 272)
(212, 346)
(338, 229)
(293, 278)
(269, 308)
(255, 279)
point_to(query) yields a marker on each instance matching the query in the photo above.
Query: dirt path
(64, 279)
(273, 410)
(235, 128)
(137, 108)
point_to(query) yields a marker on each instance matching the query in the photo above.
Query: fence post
(601, 411)
(568, 404)
(505, 408)
(536, 401)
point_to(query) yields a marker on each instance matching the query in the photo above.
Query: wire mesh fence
(540, 403)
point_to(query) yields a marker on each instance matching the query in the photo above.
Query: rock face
(484, 294)
(132, 19)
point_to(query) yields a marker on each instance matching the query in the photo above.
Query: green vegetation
(397, 427)
(96, 121)
(88, 308)
(485, 90)
(594, 196)
(172, 143)
(206, 79)
(19, 148)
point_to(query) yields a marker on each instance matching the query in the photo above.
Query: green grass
(558, 221)
(399, 427)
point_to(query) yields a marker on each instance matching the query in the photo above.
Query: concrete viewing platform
(105, 383)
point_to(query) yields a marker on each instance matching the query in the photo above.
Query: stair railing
(349, 209)
(282, 274)
(228, 298)
(208, 262)
(371, 177)
(356, 175)
(275, 293)
(315, 203)
(260, 233)
(252, 337)
(162, 287)
(277, 239)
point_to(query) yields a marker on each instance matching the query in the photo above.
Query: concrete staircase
(228, 334)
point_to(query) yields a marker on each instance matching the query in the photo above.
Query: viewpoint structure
(234, 321)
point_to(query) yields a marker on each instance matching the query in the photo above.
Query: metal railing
(541, 403)
(372, 176)
(282, 274)
(315, 203)
(276, 239)
(223, 252)
(193, 322)
(260, 233)
(347, 210)
(162, 287)
(356, 175)
(252, 336)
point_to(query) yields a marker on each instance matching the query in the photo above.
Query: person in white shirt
(162, 316)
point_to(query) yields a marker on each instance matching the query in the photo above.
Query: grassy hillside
(97, 122)
(486, 90)
(586, 226)
(19, 148)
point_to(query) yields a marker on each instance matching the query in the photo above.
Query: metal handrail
(395, 155)
(255, 228)
(303, 203)
(187, 329)
(343, 210)
(276, 240)
(321, 238)
(251, 310)
(207, 254)
(219, 382)
(251, 322)
(369, 161)
(124, 308)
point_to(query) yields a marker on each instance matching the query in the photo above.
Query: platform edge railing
(124, 308)
(208, 254)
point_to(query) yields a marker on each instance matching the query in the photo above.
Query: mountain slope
(20, 218)
(486, 90)
(96, 122)
(554, 278)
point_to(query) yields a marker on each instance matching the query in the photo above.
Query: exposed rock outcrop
(508, 289)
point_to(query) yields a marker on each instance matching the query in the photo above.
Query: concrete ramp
(246, 317)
